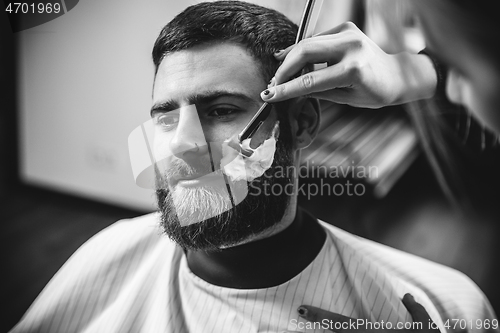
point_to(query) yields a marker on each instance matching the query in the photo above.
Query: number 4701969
(478, 324)
(40, 8)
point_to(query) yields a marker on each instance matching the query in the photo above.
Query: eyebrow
(203, 98)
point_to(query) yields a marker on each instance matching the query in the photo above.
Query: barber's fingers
(347, 26)
(314, 314)
(280, 55)
(322, 80)
(417, 311)
(324, 49)
(339, 96)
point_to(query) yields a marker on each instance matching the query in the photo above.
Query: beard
(219, 221)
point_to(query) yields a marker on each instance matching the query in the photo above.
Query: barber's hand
(358, 72)
(417, 311)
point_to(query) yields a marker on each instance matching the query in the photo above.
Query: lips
(197, 179)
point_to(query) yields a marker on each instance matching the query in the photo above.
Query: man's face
(196, 77)
(202, 97)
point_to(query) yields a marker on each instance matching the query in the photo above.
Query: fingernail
(277, 53)
(272, 82)
(302, 311)
(267, 94)
(408, 295)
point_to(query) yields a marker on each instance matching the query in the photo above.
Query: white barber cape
(131, 278)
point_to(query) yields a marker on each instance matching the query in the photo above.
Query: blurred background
(75, 87)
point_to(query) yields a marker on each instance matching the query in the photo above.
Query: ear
(305, 120)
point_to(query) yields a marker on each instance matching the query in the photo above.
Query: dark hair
(262, 31)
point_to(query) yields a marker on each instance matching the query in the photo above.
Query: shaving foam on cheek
(239, 167)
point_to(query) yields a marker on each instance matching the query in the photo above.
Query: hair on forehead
(261, 31)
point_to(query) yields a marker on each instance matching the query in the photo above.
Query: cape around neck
(263, 263)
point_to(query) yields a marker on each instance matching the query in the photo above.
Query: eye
(167, 121)
(223, 113)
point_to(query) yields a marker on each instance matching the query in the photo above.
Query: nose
(453, 87)
(189, 141)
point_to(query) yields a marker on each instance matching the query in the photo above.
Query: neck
(267, 260)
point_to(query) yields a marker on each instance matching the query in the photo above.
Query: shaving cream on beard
(240, 167)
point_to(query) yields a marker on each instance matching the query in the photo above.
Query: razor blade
(308, 21)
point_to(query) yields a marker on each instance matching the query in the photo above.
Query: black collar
(263, 263)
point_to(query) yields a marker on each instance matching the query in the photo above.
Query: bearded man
(236, 257)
